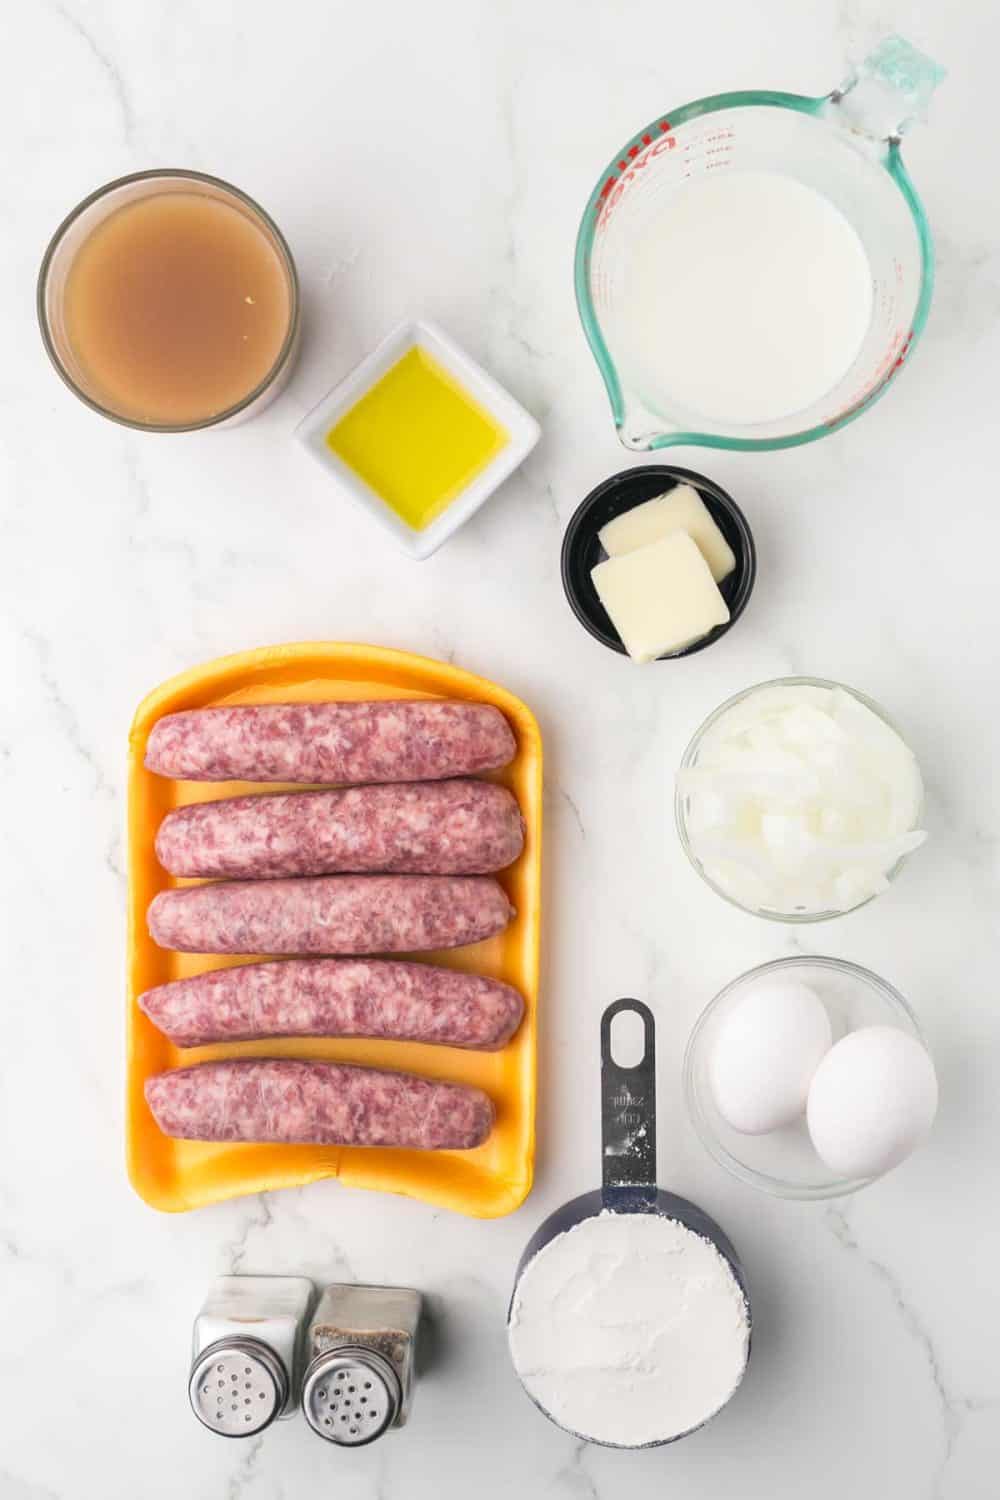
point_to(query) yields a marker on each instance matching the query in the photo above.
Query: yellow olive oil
(417, 438)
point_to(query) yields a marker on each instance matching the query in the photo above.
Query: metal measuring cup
(628, 1179)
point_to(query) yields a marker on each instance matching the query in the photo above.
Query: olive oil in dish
(417, 438)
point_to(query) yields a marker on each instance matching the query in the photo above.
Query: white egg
(765, 1055)
(873, 1098)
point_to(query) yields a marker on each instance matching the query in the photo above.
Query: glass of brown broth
(168, 301)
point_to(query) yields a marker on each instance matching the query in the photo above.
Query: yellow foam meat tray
(174, 1175)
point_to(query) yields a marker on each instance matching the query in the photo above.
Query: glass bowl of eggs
(809, 1078)
(799, 800)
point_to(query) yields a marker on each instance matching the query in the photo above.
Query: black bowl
(582, 550)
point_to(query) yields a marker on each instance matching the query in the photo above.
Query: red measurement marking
(887, 367)
(903, 353)
(629, 168)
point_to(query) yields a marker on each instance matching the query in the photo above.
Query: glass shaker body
(247, 1352)
(360, 1349)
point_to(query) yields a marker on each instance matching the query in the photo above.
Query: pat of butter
(680, 509)
(660, 598)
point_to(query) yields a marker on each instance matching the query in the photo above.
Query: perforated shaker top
(238, 1386)
(351, 1396)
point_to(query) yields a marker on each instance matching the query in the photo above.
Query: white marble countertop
(433, 159)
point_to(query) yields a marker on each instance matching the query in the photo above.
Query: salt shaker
(247, 1341)
(360, 1349)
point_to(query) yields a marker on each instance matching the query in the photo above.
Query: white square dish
(522, 431)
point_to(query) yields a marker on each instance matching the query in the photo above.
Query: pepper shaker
(360, 1348)
(246, 1352)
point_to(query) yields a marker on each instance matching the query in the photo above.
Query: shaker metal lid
(238, 1386)
(351, 1395)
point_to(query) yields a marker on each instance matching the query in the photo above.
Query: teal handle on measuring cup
(889, 91)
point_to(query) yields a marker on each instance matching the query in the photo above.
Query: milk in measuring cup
(750, 295)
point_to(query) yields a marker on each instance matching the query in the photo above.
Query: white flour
(629, 1329)
(749, 294)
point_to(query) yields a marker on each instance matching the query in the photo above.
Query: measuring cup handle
(628, 1117)
(889, 90)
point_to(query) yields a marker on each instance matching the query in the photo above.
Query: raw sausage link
(336, 997)
(331, 914)
(412, 739)
(317, 1103)
(431, 827)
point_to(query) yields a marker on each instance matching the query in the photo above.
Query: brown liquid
(176, 308)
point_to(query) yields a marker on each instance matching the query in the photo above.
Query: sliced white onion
(801, 800)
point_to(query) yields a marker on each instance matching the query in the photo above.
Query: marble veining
(432, 161)
(954, 1407)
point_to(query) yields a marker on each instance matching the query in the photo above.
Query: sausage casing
(412, 739)
(363, 997)
(340, 914)
(460, 827)
(317, 1103)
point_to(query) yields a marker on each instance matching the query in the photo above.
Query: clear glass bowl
(77, 227)
(690, 758)
(783, 1162)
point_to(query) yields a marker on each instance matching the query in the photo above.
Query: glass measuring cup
(845, 145)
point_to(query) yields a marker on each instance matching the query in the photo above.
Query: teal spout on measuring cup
(754, 269)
